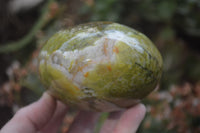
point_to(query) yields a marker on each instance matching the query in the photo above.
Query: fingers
(55, 122)
(84, 122)
(126, 122)
(110, 123)
(130, 120)
(33, 117)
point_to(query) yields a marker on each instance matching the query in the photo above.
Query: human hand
(46, 115)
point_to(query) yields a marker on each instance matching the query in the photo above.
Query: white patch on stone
(42, 61)
(121, 36)
(92, 30)
(44, 54)
(89, 92)
(86, 59)
(130, 33)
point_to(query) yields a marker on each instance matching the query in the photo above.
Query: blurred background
(173, 25)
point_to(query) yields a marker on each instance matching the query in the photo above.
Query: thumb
(32, 118)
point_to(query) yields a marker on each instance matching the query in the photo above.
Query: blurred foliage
(13, 46)
(173, 25)
(102, 10)
(174, 110)
(177, 14)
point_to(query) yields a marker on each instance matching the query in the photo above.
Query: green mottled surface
(58, 40)
(133, 75)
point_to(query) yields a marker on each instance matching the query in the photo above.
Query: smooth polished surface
(101, 66)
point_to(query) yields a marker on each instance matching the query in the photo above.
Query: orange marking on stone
(94, 62)
(82, 67)
(115, 50)
(76, 87)
(86, 74)
(76, 62)
(109, 68)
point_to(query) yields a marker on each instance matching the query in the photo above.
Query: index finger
(126, 121)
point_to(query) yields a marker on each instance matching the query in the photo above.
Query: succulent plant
(101, 66)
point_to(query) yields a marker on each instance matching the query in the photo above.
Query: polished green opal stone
(101, 66)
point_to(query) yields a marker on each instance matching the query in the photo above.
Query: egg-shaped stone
(101, 66)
